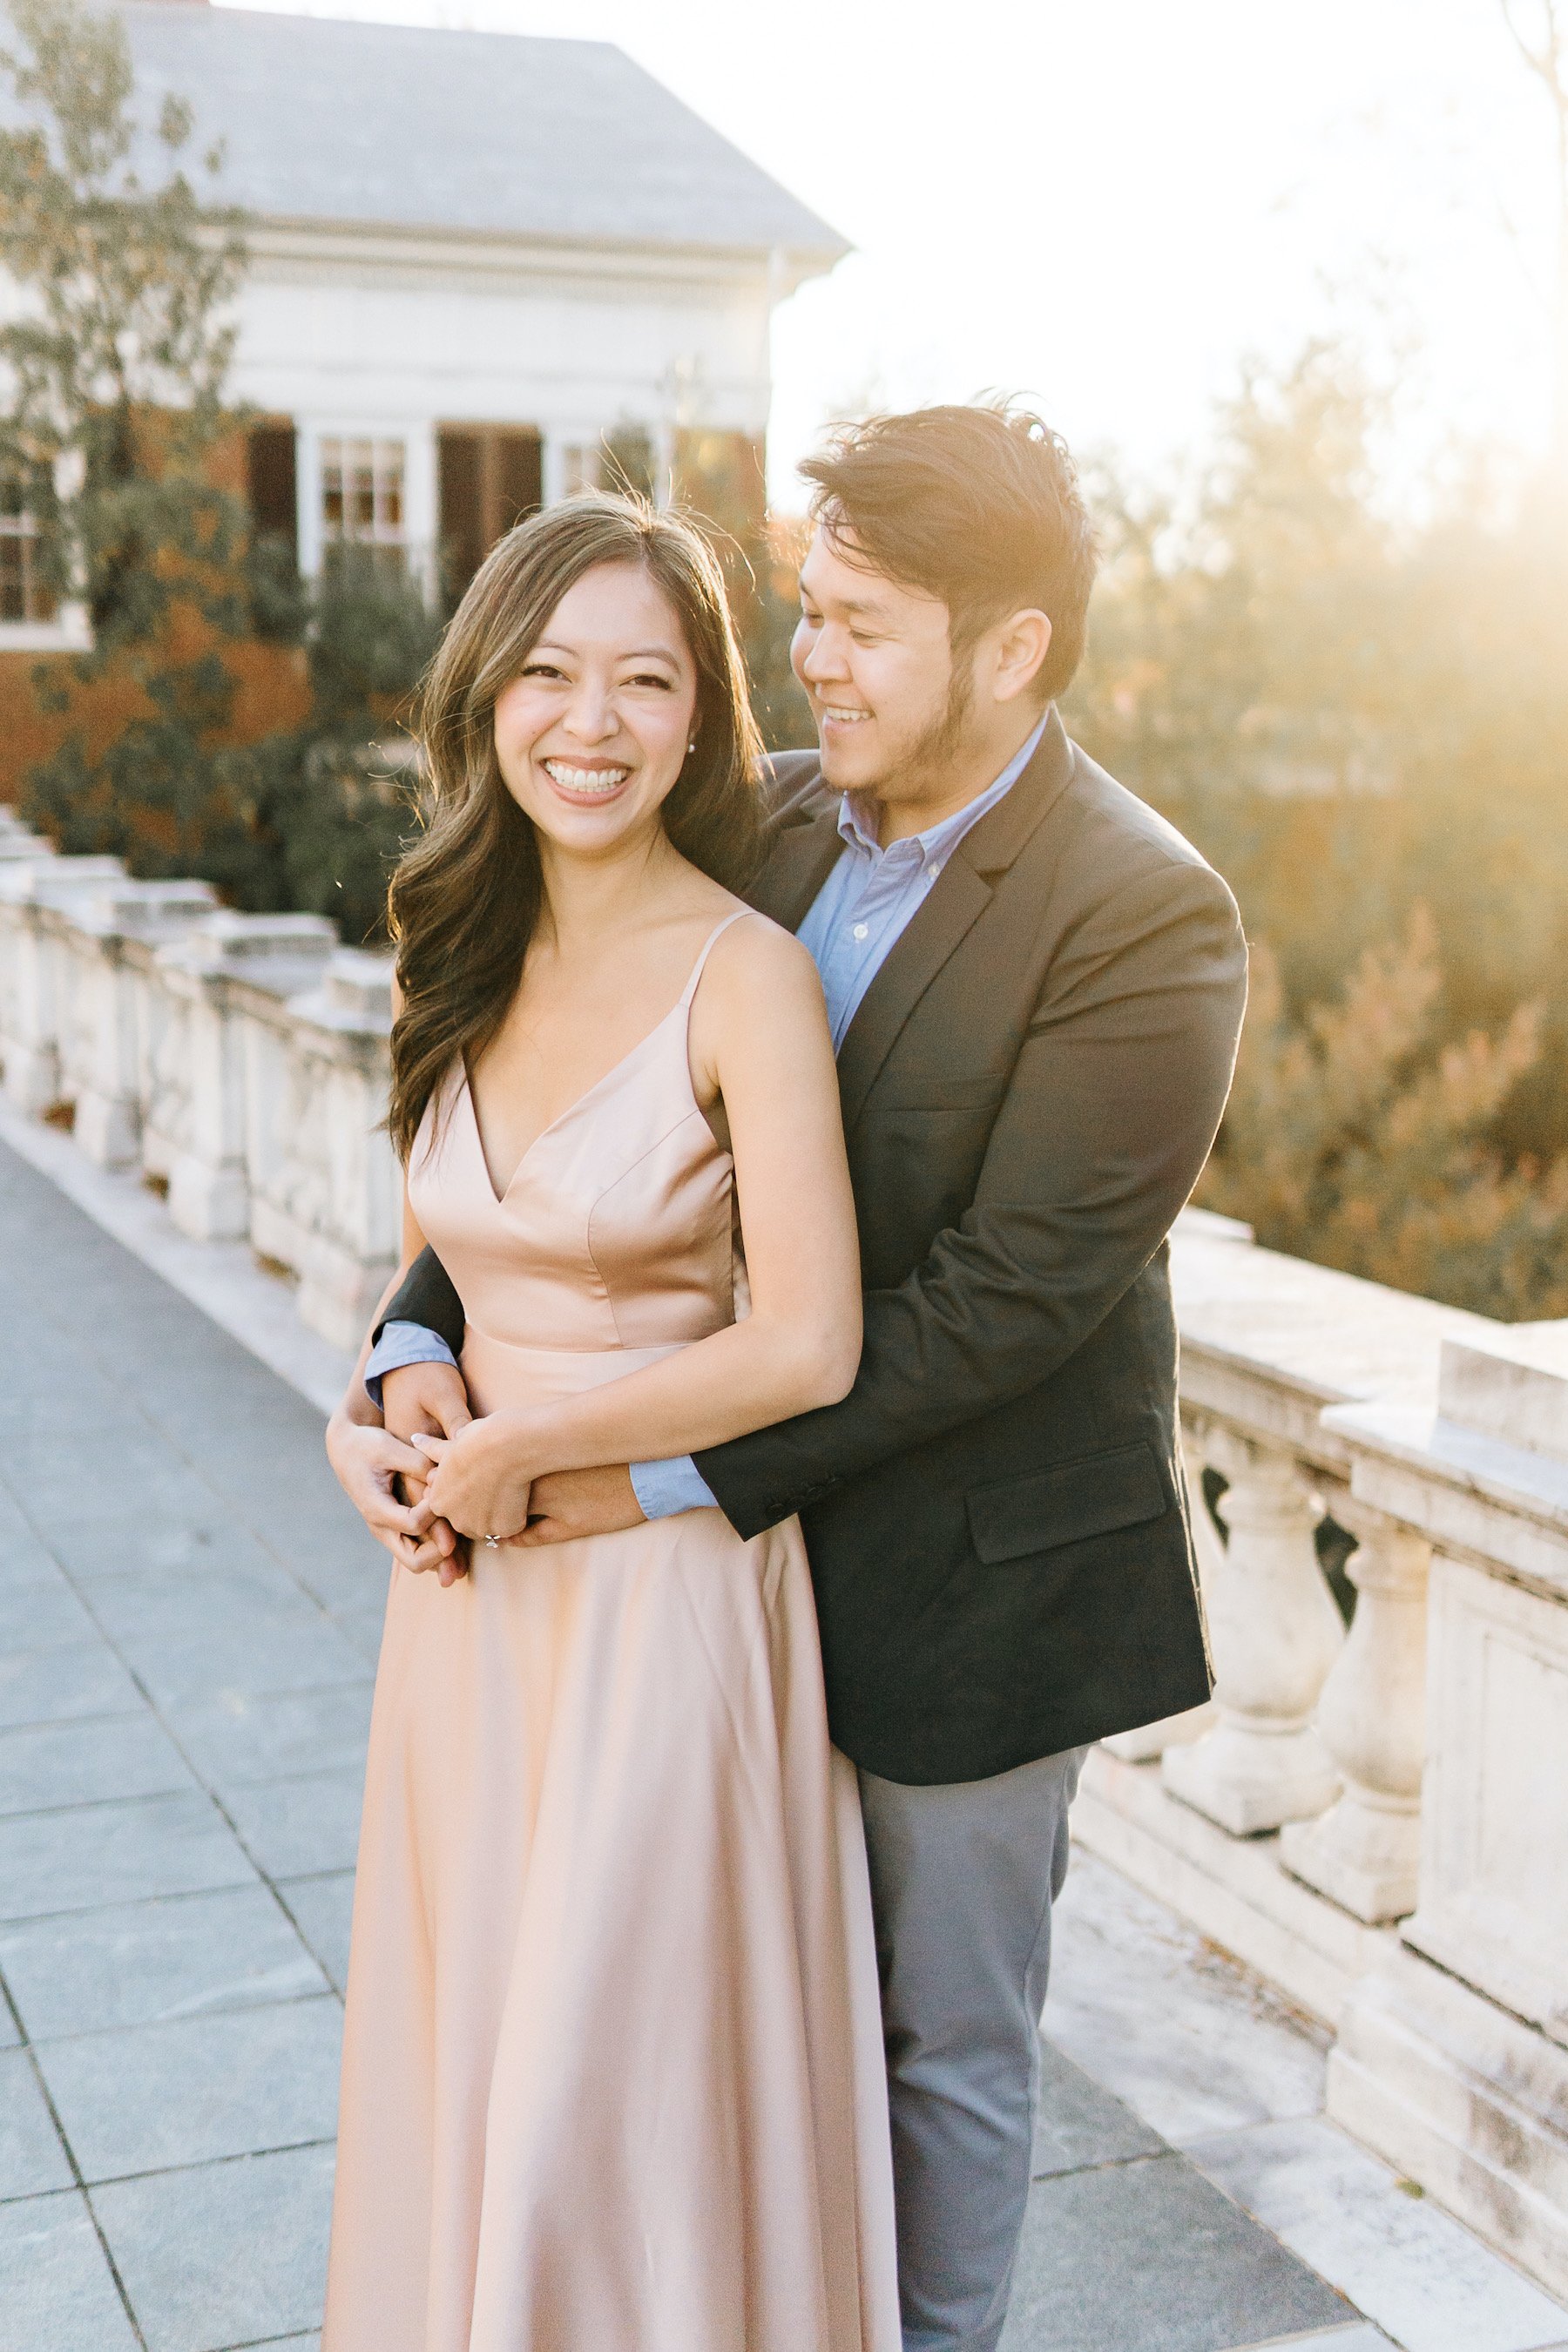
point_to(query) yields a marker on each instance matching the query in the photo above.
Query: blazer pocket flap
(1091, 1497)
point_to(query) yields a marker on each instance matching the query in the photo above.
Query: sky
(1108, 206)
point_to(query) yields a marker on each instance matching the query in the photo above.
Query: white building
(479, 263)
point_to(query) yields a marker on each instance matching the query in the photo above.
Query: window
(362, 503)
(270, 482)
(490, 478)
(25, 591)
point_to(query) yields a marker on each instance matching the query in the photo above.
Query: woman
(613, 2074)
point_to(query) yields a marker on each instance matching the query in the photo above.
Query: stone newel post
(1275, 1633)
(1366, 1853)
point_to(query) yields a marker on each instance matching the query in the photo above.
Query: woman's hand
(480, 1483)
(368, 1462)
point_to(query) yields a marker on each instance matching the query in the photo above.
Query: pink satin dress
(613, 2074)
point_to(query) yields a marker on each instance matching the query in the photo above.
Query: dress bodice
(617, 1229)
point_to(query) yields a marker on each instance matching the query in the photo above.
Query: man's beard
(929, 758)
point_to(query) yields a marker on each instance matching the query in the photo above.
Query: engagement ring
(492, 1541)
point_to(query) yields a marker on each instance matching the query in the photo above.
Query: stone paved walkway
(188, 1621)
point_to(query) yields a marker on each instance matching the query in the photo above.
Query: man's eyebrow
(861, 605)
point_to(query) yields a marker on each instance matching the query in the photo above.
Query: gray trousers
(963, 1880)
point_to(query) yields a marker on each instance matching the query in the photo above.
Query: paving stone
(1078, 2123)
(142, 1482)
(110, 1547)
(1358, 2337)
(364, 1627)
(60, 2291)
(226, 2254)
(291, 1828)
(25, 1559)
(63, 1684)
(31, 2156)
(236, 1739)
(138, 1963)
(1403, 2262)
(191, 1633)
(93, 1854)
(345, 1578)
(198, 2089)
(1146, 2008)
(325, 1909)
(41, 1612)
(1149, 2257)
(43, 1765)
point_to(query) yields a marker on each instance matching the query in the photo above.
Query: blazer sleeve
(1110, 1115)
(426, 1295)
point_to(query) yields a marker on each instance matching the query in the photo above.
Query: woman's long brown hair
(464, 899)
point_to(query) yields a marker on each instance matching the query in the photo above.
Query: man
(1035, 988)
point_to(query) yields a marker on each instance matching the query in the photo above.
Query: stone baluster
(340, 1188)
(1366, 1852)
(31, 1009)
(112, 936)
(206, 1160)
(1150, 1741)
(1275, 1633)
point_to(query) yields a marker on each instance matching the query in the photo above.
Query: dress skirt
(613, 2074)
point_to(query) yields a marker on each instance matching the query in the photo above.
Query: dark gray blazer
(995, 1514)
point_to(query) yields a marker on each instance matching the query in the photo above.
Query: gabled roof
(490, 134)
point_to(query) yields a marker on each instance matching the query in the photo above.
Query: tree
(114, 377)
(1357, 1137)
(327, 805)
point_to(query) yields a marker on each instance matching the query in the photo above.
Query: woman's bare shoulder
(759, 953)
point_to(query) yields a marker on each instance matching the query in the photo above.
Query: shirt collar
(933, 847)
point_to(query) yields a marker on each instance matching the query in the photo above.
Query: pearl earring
(692, 745)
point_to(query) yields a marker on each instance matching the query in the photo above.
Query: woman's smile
(585, 782)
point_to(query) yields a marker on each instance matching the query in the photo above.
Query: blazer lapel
(960, 896)
(796, 869)
(937, 926)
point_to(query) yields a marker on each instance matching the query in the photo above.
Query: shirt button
(934, 872)
(861, 931)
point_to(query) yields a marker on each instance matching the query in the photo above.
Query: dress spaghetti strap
(708, 944)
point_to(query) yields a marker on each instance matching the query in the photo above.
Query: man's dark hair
(978, 506)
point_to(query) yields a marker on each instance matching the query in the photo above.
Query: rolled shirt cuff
(400, 1344)
(663, 1488)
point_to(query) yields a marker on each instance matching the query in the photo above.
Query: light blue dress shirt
(855, 921)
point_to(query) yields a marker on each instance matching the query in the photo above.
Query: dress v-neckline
(561, 1117)
(682, 1005)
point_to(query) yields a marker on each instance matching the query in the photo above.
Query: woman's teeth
(843, 718)
(585, 780)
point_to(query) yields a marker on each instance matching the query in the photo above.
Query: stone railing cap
(43, 879)
(1513, 1387)
(128, 905)
(279, 955)
(355, 994)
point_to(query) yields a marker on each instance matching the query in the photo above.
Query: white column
(1275, 1633)
(308, 497)
(1366, 1852)
(422, 505)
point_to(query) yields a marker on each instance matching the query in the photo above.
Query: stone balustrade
(238, 1061)
(1373, 1817)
